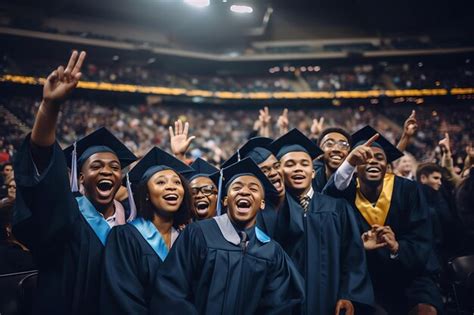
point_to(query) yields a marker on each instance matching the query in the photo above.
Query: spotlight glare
(198, 3)
(241, 8)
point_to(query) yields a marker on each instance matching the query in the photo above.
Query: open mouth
(171, 199)
(243, 205)
(105, 186)
(336, 157)
(373, 170)
(298, 179)
(277, 183)
(201, 206)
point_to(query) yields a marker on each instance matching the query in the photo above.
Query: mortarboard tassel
(131, 201)
(219, 194)
(238, 155)
(73, 179)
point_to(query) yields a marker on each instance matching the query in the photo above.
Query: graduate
(320, 234)
(257, 149)
(135, 251)
(335, 144)
(203, 188)
(394, 223)
(227, 265)
(66, 235)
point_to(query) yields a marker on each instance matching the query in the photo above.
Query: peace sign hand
(362, 153)
(62, 81)
(317, 127)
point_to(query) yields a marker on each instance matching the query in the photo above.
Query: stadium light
(241, 9)
(198, 3)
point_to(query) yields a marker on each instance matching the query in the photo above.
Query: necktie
(304, 202)
(243, 240)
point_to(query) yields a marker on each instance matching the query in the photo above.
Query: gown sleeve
(122, 290)
(45, 206)
(173, 284)
(356, 285)
(284, 293)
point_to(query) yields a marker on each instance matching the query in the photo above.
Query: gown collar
(230, 233)
(94, 218)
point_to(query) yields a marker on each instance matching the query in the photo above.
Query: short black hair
(146, 210)
(427, 169)
(6, 164)
(337, 130)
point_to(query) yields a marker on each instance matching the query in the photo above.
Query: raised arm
(179, 139)
(59, 84)
(409, 129)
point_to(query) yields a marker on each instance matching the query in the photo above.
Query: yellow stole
(376, 214)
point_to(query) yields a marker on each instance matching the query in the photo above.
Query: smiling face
(100, 176)
(245, 197)
(336, 148)
(271, 167)
(165, 191)
(298, 171)
(374, 170)
(433, 180)
(204, 197)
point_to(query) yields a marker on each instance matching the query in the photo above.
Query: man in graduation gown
(335, 144)
(227, 265)
(320, 234)
(257, 149)
(203, 188)
(394, 223)
(66, 235)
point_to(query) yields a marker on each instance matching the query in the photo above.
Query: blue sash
(261, 236)
(96, 221)
(152, 236)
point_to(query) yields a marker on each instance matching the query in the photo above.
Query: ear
(262, 204)
(224, 202)
(81, 178)
(313, 173)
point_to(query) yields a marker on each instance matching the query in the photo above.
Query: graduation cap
(294, 141)
(242, 168)
(200, 168)
(362, 135)
(101, 140)
(154, 161)
(256, 149)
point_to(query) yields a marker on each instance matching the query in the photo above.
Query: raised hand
(370, 239)
(264, 118)
(282, 122)
(410, 126)
(362, 153)
(62, 81)
(179, 139)
(445, 144)
(317, 127)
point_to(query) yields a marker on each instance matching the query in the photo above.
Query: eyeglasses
(343, 145)
(206, 190)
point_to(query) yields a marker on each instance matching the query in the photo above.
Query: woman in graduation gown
(394, 221)
(66, 235)
(257, 149)
(227, 265)
(320, 234)
(134, 252)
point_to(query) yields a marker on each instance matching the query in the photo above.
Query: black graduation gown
(66, 250)
(129, 269)
(326, 248)
(319, 180)
(266, 219)
(206, 274)
(401, 283)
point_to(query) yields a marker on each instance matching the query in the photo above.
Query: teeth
(243, 203)
(372, 169)
(171, 197)
(336, 157)
(202, 205)
(105, 181)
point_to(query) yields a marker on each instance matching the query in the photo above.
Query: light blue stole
(96, 221)
(153, 237)
(231, 235)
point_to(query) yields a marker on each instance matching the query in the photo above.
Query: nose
(170, 187)
(105, 171)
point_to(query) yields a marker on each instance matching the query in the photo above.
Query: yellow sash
(376, 214)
